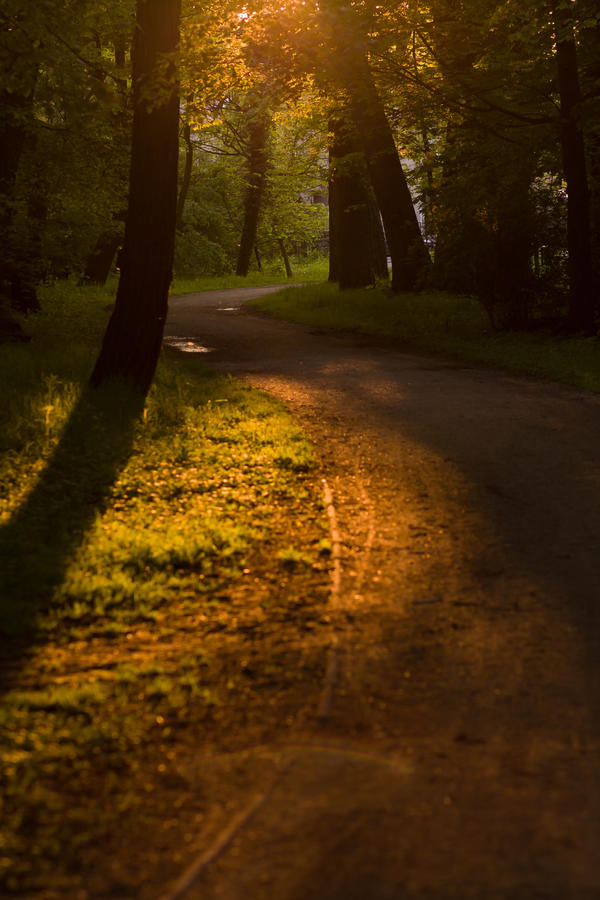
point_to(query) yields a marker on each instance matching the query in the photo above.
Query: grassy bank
(444, 323)
(273, 273)
(153, 594)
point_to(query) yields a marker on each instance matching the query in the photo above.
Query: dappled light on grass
(150, 551)
(38, 539)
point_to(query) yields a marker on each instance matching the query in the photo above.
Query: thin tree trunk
(258, 129)
(378, 245)
(333, 203)
(133, 338)
(582, 301)
(285, 257)
(187, 172)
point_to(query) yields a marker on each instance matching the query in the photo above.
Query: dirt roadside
(458, 755)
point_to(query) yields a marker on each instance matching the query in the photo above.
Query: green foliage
(72, 174)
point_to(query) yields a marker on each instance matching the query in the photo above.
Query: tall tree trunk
(352, 212)
(350, 67)
(16, 127)
(99, 262)
(333, 203)
(358, 253)
(410, 259)
(29, 270)
(133, 338)
(378, 245)
(589, 64)
(187, 172)
(258, 131)
(582, 300)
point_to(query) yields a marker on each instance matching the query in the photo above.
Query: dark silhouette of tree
(350, 245)
(257, 123)
(133, 338)
(351, 70)
(582, 300)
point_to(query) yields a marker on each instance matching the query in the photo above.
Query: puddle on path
(186, 344)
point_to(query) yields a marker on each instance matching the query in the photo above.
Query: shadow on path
(39, 540)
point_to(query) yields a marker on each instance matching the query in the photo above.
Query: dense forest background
(457, 139)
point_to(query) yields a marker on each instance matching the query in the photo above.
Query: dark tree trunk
(285, 257)
(350, 67)
(16, 123)
(582, 300)
(258, 130)
(410, 259)
(589, 64)
(257, 258)
(133, 338)
(29, 268)
(378, 245)
(358, 252)
(332, 200)
(100, 260)
(352, 210)
(187, 172)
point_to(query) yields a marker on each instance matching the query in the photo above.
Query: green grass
(273, 273)
(127, 544)
(440, 322)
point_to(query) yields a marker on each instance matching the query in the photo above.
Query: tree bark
(29, 265)
(133, 338)
(333, 202)
(258, 130)
(582, 300)
(285, 257)
(350, 68)
(98, 265)
(358, 252)
(410, 259)
(589, 63)
(187, 173)
(378, 245)
(16, 128)
(351, 208)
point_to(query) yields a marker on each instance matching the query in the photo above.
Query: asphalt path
(460, 752)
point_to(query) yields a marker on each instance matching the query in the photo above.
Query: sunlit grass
(110, 652)
(444, 323)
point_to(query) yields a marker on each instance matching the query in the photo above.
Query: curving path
(458, 756)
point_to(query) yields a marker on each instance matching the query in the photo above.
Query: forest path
(459, 756)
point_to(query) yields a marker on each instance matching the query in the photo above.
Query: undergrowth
(444, 323)
(303, 270)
